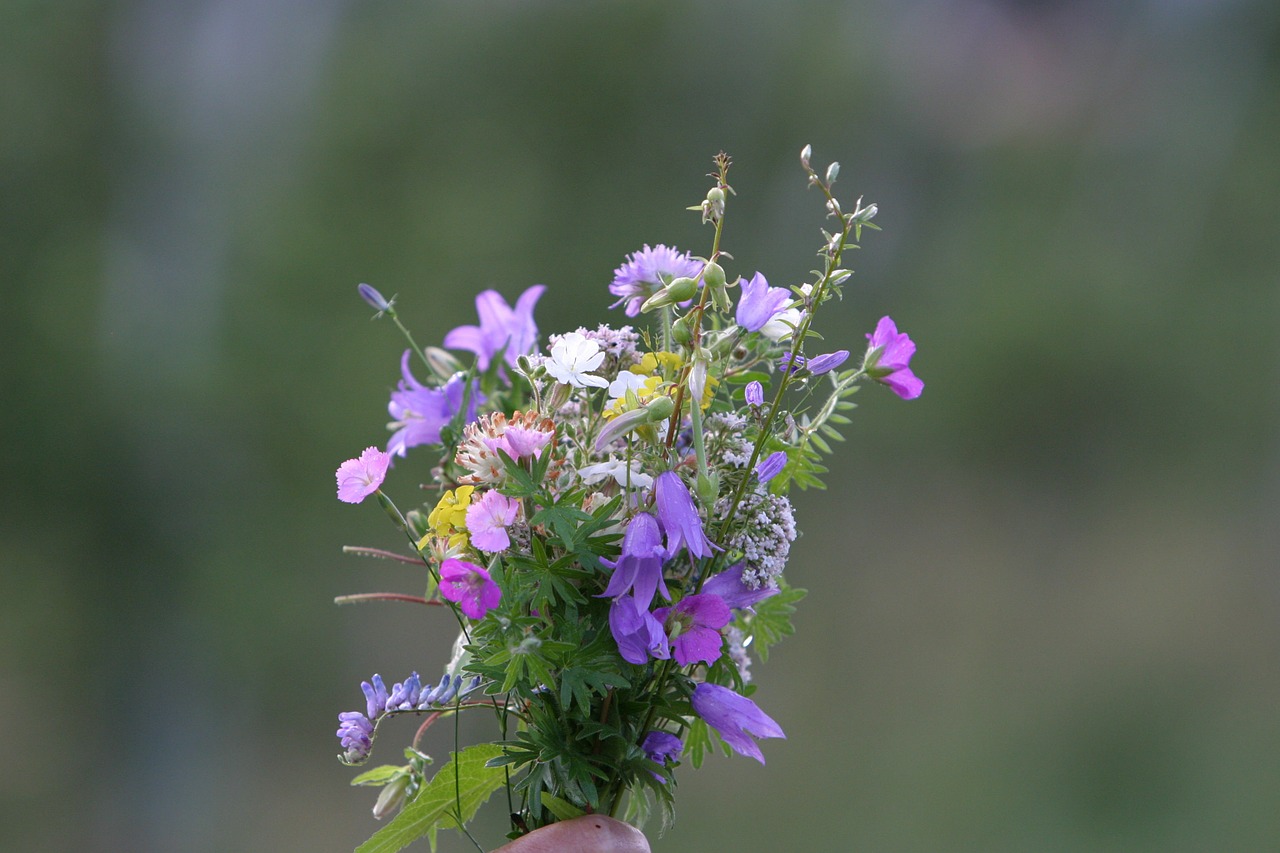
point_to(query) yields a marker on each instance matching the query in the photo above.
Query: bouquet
(607, 521)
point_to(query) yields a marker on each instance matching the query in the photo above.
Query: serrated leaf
(464, 784)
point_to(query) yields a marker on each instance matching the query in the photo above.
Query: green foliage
(449, 800)
(771, 620)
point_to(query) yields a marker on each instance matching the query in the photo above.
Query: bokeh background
(1045, 609)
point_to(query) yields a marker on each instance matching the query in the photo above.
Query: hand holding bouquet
(608, 524)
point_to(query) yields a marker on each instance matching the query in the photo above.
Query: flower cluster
(609, 521)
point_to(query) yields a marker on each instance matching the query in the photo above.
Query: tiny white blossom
(573, 357)
(617, 469)
(626, 381)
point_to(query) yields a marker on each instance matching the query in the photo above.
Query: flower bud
(442, 363)
(832, 171)
(754, 392)
(708, 488)
(392, 796)
(682, 329)
(679, 290)
(375, 299)
(805, 154)
(713, 275)
(660, 408)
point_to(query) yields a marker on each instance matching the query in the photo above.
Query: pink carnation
(488, 520)
(359, 478)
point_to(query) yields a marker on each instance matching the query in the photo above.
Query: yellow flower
(450, 515)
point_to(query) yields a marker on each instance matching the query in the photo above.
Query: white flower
(777, 328)
(626, 381)
(617, 469)
(573, 357)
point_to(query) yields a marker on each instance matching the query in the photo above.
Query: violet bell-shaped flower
(760, 303)
(501, 329)
(888, 358)
(771, 466)
(827, 362)
(679, 517)
(639, 569)
(735, 718)
(728, 585)
(637, 632)
(418, 412)
(661, 748)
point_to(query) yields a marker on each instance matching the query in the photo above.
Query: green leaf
(378, 775)
(462, 785)
(562, 809)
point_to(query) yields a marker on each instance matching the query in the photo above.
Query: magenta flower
(639, 570)
(694, 626)
(728, 585)
(637, 632)
(735, 718)
(501, 328)
(469, 586)
(418, 411)
(648, 271)
(359, 478)
(679, 517)
(661, 748)
(760, 303)
(488, 519)
(887, 359)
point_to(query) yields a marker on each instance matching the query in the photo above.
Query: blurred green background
(1045, 595)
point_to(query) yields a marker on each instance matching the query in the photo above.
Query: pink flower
(469, 586)
(888, 356)
(359, 478)
(488, 520)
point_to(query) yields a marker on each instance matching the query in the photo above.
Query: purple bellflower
(648, 271)
(501, 328)
(469, 586)
(821, 364)
(694, 627)
(679, 517)
(661, 748)
(728, 585)
(359, 478)
(760, 303)
(754, 393)
(418, 411)
(771, 466)
(639, 570)
(888, 356)
(735, 718)
(637, 632)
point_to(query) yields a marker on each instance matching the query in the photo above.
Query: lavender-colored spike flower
(679, 516)
(639, 570)
(637, 632)
(469, 586)
(661, 748)
(888, 356)
(356, 734)
(646, 272)
(404, 695)
(501, 328)
(735, 718)
(361, 477)
(827, 362)
(754, 393)
(728, 585)
(418, 412)
(694, 627)
(760, 303)
(771, 466)
(375, 695)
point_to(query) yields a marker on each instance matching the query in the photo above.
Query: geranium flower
(639, 569)
(735, 718)
(469, 586)
(693, 626)
(888, 356)
(501, 329)
(361, 477)
(488, 519)
(572, 359)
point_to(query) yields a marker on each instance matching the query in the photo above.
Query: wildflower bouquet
(608, 523)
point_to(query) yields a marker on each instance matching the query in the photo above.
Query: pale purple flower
(488, 519)
(359, 478)
(760, 303)
(501, 328)
(754, 393)
(355, 731)
(418, 411)
(735, 718)
(375, 696)
(375, 299)
(469, 586)
(404, 695)
(693, 627)
(789, 362)
(639, 569)
(572, 359)
(661, 748)
(679, 516)
(890, 364)
(646, 272)
(731, 589)
(827, 362)
(637, 632)
(771, 466)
